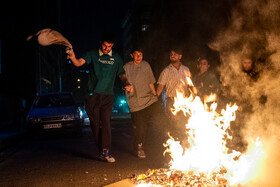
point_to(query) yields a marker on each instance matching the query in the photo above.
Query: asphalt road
(67, 159)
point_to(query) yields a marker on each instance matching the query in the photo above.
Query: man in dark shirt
(206, 81)
(248, 68)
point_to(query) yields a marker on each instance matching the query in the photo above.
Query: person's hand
(129, 88)
(70, 53)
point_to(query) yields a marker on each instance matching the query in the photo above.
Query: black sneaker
(106, 156)
(140, 152)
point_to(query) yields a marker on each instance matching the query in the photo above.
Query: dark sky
(83, 22)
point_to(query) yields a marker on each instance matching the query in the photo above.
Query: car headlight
(33, 119)
(69, 117)
(79, 113)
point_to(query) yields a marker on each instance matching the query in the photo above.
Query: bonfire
(206, 160)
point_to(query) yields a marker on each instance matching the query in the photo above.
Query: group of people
(140, 86)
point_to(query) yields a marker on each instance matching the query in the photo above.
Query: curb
(6, 143)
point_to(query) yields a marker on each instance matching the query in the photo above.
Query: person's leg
(134, 120)
(135, 130)
(139, 122)
(160, 121)
(171, 127)
(148, 119)
(93, 112)
(105, 117)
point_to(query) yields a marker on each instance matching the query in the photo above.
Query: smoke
(254, 32)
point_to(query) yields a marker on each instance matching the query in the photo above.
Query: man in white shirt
(172, 78)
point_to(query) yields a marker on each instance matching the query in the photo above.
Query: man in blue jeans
(104, 66)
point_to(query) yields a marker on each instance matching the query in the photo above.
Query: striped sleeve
(187, 72)
(163, 77)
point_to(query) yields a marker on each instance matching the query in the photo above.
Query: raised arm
(75, 61)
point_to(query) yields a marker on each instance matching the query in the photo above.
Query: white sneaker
(106, 156)
(140, 152)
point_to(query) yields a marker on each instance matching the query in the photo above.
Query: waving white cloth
(48, 36)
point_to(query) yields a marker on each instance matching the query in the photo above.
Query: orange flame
(206, 134)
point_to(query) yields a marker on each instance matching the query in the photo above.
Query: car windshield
(54, 101)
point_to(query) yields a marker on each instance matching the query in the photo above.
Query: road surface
(67, 159)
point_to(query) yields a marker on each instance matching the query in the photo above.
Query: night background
(28, 69)
(156, 25)
(219, 30)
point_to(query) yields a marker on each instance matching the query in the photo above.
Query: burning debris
(171, 177)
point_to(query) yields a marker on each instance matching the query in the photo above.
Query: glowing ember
(169, 177)
(206, 157)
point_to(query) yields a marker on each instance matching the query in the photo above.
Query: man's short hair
(137, 48)
(202, 58)
(177, 50)
(199, 59)
(108, 37)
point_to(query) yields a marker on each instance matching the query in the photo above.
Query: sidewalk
(10, 136)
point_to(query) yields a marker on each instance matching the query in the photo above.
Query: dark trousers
(140, 121)
(99, 111)
(177, 122)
